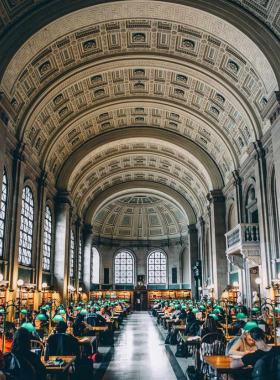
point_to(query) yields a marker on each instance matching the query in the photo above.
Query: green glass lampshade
(58, 318)
(250, 325)
(47, 307)
(216, 311)
(78, 308)
(201, 307)
(214, 316)
(88, 306)
(219, 307)
(195, 310)
(90, 302)
(59, 308)
(241, 316)
(236, 307)
(255, 309)
(83, 312)
(23, 311)
(2, 310)
(62, 312)
(97, 308)
(199, 303)
(277, 309)
(209, 303)
(28, 326)
(82, 303)
(184, 308)
(41, 317)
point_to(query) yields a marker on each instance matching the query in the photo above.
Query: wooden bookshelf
(26, 299)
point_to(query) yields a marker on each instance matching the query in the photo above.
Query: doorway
(140, 301)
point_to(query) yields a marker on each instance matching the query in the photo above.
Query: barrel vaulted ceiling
(155, 92)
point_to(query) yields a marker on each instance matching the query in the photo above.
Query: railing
(243, 233)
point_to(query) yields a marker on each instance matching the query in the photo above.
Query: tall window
(72, 253)
(124, 268)
(157, 267)
(80, 259)
(95, 266)
(26, 227)
(3, 211)
(47, 245)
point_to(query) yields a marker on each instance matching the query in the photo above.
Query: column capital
(237, 179)
(192, 229)
(201, 221)
(271, 110)
(42, 180)
(78, 222)
(215, 196)
(258, 151)
(63, 197)
(88, 229)
(18, 153)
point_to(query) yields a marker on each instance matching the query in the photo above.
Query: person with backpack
(193, 325)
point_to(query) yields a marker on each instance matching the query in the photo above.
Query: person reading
(257, 336)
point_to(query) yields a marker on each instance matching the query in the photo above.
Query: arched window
(95, 266)
(47, 245)
(80, 259)
(124, 268)
(157, 266)
(26, 227)
(3, 211)
(72, 253)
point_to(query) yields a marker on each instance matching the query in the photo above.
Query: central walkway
(140, 353)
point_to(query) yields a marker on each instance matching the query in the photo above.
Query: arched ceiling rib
(143, 187)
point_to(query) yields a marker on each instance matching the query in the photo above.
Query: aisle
(140, 353)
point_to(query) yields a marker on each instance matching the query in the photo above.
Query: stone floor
(140, 353)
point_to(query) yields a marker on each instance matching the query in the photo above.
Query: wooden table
(221, 365)
(98, 330)
(55, 370)
(88, 341)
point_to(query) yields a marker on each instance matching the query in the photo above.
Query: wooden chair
(212, 344)
(35, 344)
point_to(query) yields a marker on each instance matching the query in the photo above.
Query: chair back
(91, 321)
(267, 367)
(35, 344)
(213, 344)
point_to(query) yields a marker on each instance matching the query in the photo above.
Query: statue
(255, 297)
(239, 299)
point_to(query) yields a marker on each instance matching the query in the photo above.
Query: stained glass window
(95, 266)
(80, 259)
(3, 211)
(157, 267)
(47, 245)
(26, 227)
(72, 253)
(124, 268)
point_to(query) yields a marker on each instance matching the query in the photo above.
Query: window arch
(26, 227)
(95, 266)
(80, 259)
(3, 211)
(72, 253)
(124, 268)
(157, 267)
(47, 245)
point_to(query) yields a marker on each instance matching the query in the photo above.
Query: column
(62, 244)
(238, 195)
(218, 228)
(87, 235)
(193, 256)
(18, 180)
(40, 241)
(7, 113)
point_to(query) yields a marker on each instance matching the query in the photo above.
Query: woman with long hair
(209, 326)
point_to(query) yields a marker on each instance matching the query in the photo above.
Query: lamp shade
(58, 318)
(219, 307)
(236, 307)
(250, 325)
(2, 310)
(62, 312)
(241, 316)
(41, 317)
(88, 306)
(255, 309)
(28, 326)
(201, 307)
(23, 311)
(47, 306)
(216, 311)
(84, 311)
(214, 316)
(195, 310)
(277, 309)
(78, 308)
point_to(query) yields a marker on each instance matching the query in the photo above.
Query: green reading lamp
(41, 317)
(62, 312)
(28, 326)
(195, 310)
(83, 312)
(250, 325)
(23, 311)
(216, 311)
(78, 308)
(255, 310)
(214, 316)
(58, 318)
(241, 316)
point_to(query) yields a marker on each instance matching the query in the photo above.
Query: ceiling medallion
(139, 86)
(220, 98)
(99, 92)
(45, 67)
(179, 92)
(96, 79)
(181, 78)
(89, 45)
(139, 72)
(188, 44)
(58, 99)
(139, 37)
(233, 66)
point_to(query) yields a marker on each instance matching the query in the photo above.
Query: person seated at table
(263, 349)
(79, 326)
(118, 307)
(21, 362)
(41, 325)
(193, 325)
(107, 310)
(182, 315)
(70, 323)
(69, 311)
(176, 312)
(208, 327)
(94, 319)
(62, 344)
(103, 313)
(243, 345)
(34, 314)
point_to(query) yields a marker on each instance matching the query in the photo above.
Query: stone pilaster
(62, 244)
(77, 239)
(218, 229)
(87, 238)
(40, 241)
(18, 181)
(238, 195)
(7, 113)
(193, 255)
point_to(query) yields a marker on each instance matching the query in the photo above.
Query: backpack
(171, 338)
(97, 358)
(193, 374)
(181, 350)
(194, 329)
